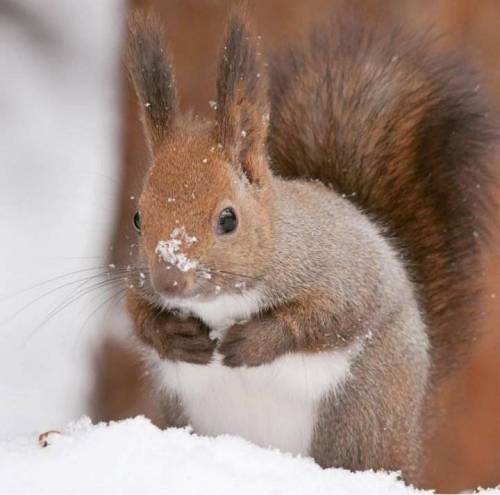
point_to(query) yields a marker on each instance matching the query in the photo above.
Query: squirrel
(309, 260)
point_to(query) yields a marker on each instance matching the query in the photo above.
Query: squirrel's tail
(400, 130)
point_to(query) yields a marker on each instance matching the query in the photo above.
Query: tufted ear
(151, 72)
(242, 106)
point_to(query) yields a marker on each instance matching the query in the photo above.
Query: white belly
(270, 405)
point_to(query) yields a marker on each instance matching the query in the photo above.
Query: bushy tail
(401, 131)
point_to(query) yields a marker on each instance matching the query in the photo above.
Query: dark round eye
(137, 221)
(227, 221)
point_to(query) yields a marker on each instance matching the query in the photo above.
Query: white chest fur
(271, 405)
(223, 311)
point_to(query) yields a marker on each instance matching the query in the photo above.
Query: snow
(133, 456)
(170, 251)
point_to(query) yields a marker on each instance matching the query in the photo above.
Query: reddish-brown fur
(412, 149)
(399, 133)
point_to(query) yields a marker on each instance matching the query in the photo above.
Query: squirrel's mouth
(180, 301)
(176, 288)
(206, 295)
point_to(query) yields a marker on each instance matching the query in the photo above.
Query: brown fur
(405, 135)
(121, 376)
(376, 422)
(308, 324)
(193, 171)
(241, 103)
(174, 339)
(195, 161)
(402, 135)
(151, 72)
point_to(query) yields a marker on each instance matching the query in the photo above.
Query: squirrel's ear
(242, 106)
(151, 72)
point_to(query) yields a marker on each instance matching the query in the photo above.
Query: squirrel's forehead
(187, 194)
(186, 165)
(179, 182)
(187, 182)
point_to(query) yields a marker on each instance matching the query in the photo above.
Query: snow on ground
(133, 456)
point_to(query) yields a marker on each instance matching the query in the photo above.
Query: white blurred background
(59, 134)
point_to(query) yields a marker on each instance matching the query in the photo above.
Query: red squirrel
(309, 260)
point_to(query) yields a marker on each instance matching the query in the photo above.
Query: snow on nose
(173, 272)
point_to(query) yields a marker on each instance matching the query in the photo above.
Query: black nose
(167, 279)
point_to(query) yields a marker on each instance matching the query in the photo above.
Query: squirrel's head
(204, 212)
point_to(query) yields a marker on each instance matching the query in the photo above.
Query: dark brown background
(465, 451)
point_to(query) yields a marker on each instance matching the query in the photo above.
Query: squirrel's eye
(227, 221)
(137, 221)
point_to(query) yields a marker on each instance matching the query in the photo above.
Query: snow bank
(134, 456)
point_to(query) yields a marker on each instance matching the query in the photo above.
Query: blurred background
(60, 141)
(72, 170)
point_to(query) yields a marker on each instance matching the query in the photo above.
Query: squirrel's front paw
(183, 340)
(248, 344)
(176, 339)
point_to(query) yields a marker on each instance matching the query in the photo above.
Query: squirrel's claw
(245, 345)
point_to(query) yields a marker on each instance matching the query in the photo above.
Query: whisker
(38, 327)
(66, 303)
(40, 284)
(123, 292)
(107, 300)
(217, 273)
(155, 316)
(220, 281)
(92, 300)
(237, 275)
(224, 283)
(235, 265)
(50, 292)
(223, 275)
(101, 257)
(80, 292)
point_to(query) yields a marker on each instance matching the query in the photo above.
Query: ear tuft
(242, 106)
(150, 69)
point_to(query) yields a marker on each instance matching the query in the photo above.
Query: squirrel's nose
(167, 279)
